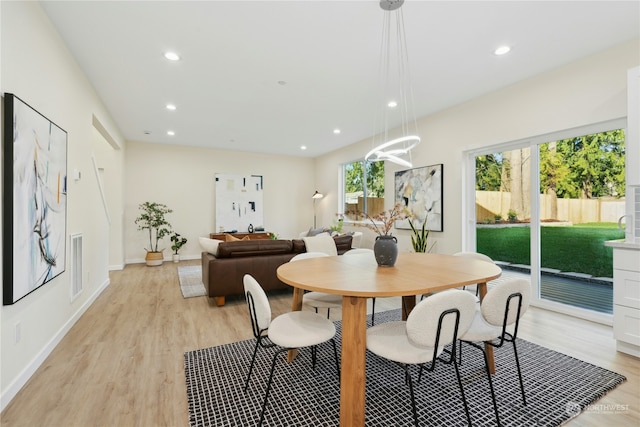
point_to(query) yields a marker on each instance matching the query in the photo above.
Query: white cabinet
(626, 297)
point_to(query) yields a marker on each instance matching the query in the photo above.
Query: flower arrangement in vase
(388, 218)
(385, 248)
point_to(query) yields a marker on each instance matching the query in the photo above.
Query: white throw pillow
(209, 245)
(321, 243)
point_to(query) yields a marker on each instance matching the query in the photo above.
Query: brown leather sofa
(222, 273)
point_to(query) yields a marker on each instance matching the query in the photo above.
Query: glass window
(363, 189)
(552, 224)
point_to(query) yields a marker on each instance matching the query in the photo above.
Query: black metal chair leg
(407, 378)
(464, 399)
(313, 357)
(486, 364)
(335, 355)
(373, 312)
(515, 353)
(253, 359)
(493, 393)
(266, 394)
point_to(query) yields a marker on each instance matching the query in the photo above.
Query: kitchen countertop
(622, 244)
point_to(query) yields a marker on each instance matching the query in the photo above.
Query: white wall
(183, 179)
(38, 68)
(588, 91)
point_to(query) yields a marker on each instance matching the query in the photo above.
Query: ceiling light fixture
(336, 131)
(171, 107)
(172, 56)
(395, 81)
(170, 133)
(502, 50)
(303, 147)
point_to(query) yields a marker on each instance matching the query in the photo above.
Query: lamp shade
(317, 195)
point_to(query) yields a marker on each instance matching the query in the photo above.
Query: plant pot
(154, 259)
(385, 250)
(175, 257)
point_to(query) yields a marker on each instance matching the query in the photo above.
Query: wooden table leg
(482, 291)
(353, 367)
(408, 302)
(296, 305)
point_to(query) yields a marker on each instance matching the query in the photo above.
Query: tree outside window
(363, 188)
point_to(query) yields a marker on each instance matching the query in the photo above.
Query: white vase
(176, 257)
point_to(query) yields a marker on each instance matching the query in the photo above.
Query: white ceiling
(234, 53)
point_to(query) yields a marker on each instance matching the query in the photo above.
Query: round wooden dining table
(357, 278)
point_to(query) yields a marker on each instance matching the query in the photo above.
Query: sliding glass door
(543, 208)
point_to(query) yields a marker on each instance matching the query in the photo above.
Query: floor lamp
(315, 196)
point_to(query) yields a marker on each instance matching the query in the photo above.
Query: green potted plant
(152, 218)
(337, 226)
(178, 242)
(419, 237)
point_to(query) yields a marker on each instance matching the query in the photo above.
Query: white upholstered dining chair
(501, 308)
(469, 255)
(368, 252)
(293, 330)
(479, 257)
(434, 323)
(318, 300)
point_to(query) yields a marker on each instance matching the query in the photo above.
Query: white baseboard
(166, 259)
(13, 388)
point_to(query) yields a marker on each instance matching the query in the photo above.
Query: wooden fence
(375, 205)
(492, 203)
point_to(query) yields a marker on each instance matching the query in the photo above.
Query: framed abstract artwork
(421, 191)
(34, 199)
(239, 202)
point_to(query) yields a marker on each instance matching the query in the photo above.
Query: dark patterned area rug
(557, 386)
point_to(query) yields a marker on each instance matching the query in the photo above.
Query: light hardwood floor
(122, 363)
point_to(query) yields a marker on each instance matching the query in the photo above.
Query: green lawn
(579, 248)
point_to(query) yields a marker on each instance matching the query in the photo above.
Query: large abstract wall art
(420, 190)
(34, 199)
(239, 202)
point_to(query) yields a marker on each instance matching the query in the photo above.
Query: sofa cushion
(315, 231)
(246, 248)
(209, 245)
(321, 243)
(343, 243)
(298, 246)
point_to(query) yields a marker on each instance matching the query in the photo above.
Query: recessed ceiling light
(171, 107)
(170, 133)
(303, 147)
(172, 56)
(147, 132)
(392, 104)
(502, 50)
(336, 131)
(282, 82)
